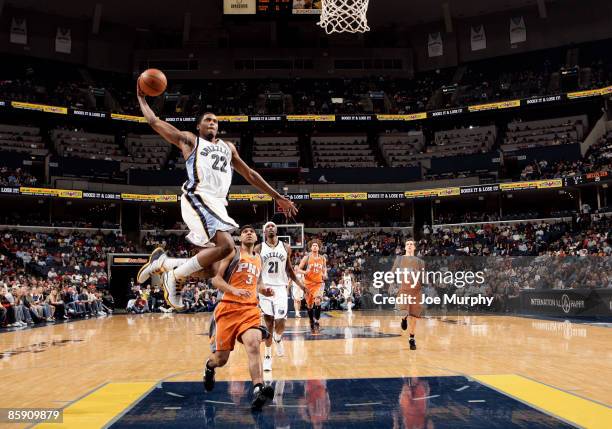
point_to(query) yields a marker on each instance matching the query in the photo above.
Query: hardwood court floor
(55, 365)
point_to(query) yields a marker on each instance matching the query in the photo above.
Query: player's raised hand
(139, 92)
(287, 206)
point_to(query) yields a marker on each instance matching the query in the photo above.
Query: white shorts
(202, 221)
(297, 292)
(275, 305)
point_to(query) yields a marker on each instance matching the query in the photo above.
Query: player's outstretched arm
(289, 269)
(255, 179)
(184, 140)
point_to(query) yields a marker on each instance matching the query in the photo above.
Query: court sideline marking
(103, 406)
(562, 405)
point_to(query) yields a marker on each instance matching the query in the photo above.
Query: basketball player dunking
(277, 269)
(237, 316)
(411, 311)
(314, 268)
(210, 163)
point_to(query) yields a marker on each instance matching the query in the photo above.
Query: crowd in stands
(16, 177)
(29, 299)
(561, 255)
(198, 296)
(597, 159)
(525, 75)
(80, 256)
(478, 216)
(49, 277)
(459, 152)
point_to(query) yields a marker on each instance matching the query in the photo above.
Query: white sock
(277, 338)
(186, 269)
(172, 263)
(268, 352)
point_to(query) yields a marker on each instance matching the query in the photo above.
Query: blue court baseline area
(423, 402)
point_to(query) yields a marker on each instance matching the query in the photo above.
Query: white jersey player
(347, 289)
(276, 269)
(297, 292)
(210, 163)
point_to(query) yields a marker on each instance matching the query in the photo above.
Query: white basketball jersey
(209, 170)
(347, 282)
(274, 262)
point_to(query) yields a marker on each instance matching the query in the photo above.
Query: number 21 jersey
(274, 262)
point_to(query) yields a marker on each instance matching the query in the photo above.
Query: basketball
(152, 82)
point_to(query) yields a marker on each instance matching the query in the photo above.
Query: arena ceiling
(169, 14)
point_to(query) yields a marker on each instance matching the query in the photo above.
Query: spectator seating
(147, 152)
(398, 149)
(342, 151)
(81, 144)
(548, 132)
(276, 152)
(463, 141)
(22, 139)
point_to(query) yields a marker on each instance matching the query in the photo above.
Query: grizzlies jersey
(274, 262)
(209, 172)
(347, 282)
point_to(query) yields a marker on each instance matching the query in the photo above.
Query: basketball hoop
(344, 16)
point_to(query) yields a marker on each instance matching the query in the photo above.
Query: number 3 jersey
(273, 263)
(209, 176)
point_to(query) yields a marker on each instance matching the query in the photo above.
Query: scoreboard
(272, 8)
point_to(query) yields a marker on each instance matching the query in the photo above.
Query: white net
(344, 16)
